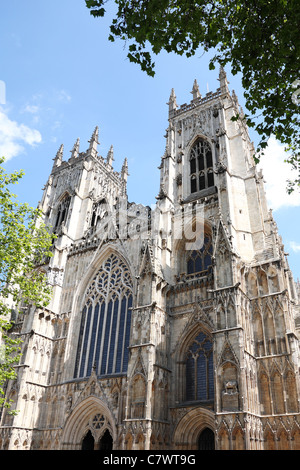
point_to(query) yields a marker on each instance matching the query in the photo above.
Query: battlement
(210, 96)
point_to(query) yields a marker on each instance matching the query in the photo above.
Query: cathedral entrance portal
(90, 427)
(194, 430)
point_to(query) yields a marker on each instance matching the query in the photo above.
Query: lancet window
(105, 322)
(100, 209)
(62, 213)
(199, 369)
(201, 166)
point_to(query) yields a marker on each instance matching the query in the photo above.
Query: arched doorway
(89, 423)
(106, 441)
(206, 440)
(88, 442)
(190, 428)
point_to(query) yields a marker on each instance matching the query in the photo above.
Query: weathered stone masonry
(169, 328)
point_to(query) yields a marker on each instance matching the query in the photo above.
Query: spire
(94, 142)
(59, 156)
(223, 80)
(172, 101)
(75, 150)
(124, 171)
(110, 156)
(195, 91)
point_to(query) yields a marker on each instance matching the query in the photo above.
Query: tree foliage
(24, 244)
(258, 38)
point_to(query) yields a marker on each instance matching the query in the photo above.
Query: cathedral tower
(171, 328)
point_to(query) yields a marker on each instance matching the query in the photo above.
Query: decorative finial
(75, 150)
(172, 101)
(59, 156)
(94, 142)
(110, 156)
(195, 91)
(124, 171)
(223, 80)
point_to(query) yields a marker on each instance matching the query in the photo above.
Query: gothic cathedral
(172, 327)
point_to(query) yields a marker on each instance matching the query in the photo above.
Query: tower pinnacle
(124, 171)
(94, 142)
(110, 156)
(223, 80)
(195, 91)
(75, 150)
(59, 156)
(172, 101)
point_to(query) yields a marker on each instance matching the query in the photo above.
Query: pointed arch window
(201, 166)
(200, 260)
(105, 322)
(199, 369)
(62, 213)
(100, 210)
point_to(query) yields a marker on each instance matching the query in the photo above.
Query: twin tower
(172, 327)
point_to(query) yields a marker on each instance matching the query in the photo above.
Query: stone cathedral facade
(172, 327)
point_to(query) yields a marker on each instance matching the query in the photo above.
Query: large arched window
(201, 166)
(105, 323)
(199, 369)
(199, 261)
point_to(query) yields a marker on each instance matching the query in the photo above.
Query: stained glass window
(201, 166)
(105, 322)
(199, 369)
(200, 260)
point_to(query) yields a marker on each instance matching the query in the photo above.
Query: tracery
(200, 260)
(201, 166)
(105, 323)
(199, 369)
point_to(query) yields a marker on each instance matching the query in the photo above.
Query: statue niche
(230, 392)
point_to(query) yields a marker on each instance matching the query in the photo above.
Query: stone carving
(230, 387)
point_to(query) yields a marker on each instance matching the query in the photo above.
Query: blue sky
(63, 77)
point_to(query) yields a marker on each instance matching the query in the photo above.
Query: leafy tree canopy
(259, 38)
(24, 244)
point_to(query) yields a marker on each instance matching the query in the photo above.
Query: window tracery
(201, 166)
(199, 369)
(200, 260)
(99, 210)
(105, 323)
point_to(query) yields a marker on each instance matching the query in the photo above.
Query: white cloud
(14, 136)
(295, 246)
(63, 96)
(47, 109)
(31, 108)
(276, 173)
